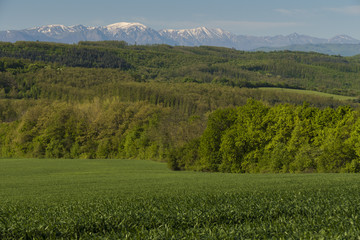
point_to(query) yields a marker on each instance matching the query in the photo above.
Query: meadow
(309, 92)
(136, 199)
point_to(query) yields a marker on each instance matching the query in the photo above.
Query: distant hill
(137, 33)
(214, 65)
(326, 48)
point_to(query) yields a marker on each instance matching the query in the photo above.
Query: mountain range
(326, 48)
(137, 33)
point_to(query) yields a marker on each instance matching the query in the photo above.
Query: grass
(309, 92)
(96, 199)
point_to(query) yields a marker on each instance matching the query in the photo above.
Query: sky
(318, 18)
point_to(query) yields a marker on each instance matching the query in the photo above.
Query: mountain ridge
(137, 33)
(345, 50)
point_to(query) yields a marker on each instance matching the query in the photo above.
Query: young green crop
(49, 199)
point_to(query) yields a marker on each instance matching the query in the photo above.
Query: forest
(198, 108)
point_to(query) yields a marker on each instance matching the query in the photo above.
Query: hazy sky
(320, 18)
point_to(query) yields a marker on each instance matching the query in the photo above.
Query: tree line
(97, 129)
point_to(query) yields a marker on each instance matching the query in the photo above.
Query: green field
(309, 92)
(48, 199)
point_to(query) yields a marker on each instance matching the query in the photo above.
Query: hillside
(112, 100)
(163, 63)
(326, 48)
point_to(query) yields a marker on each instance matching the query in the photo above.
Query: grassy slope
(142, 199)
(309, 92)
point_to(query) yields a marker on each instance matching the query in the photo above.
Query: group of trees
(283, 138)
(100, 129)
(63, 54)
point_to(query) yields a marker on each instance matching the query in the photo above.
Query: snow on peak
(116, 28)
(294, 35)
(125, 25)
(343, 39)
(197, 32)
(53, 29)
(80, 27)
(52, 26)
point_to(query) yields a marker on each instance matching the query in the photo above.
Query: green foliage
(184, 157)
(283, 138)
(218, 123)
(60, 130)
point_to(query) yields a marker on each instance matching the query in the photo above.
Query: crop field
(309, 92)
(112, 199)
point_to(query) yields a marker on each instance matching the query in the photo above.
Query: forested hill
(312, 71)
(326, 48)
(112, 100)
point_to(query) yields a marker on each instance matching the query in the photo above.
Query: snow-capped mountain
(131, 33)
(250, 42)
(199, 36)
(56, 29)
(137, 33)
(115, 28)
(343, 39)
(295, 38)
